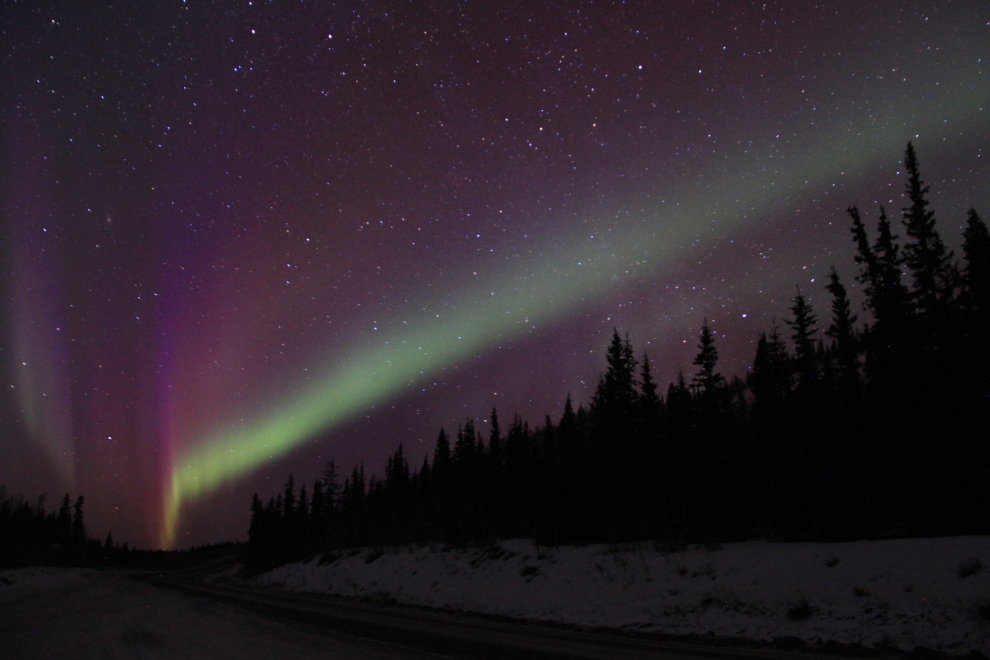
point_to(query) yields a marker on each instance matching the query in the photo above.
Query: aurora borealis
(241, 239)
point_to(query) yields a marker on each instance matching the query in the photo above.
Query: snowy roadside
(16, 581)
(906, 593)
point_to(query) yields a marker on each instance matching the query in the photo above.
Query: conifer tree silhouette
(930, 263)
(803, 330)
(843, 334)
(707, 379)
(976, 273)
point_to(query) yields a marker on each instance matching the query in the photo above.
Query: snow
(906, 593)
(17, 580)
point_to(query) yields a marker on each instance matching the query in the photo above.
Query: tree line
(845, 431)
(30, 535)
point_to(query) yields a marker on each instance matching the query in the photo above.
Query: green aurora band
(562, 279)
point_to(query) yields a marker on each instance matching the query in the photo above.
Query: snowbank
(14, 581)
(907, 593)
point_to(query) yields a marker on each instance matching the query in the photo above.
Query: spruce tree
(892, 294)
(318, 518)
(865, 257)
(302, 506)
(64, 522)
(649, 398)
(255, 526)
(976, 272)
(880, 274)
(887, 297)
(679, 401)
(974, 351)
(842, 332)
(300, 524)
(78, 527)
(615, 395)
(495, 442)
(464, 447)
(803, 329)
(770, 377)
(568, 427)
(707, 379)
(614, 411)
(441, 458)
(424, 502)
(289, 501)
(331, 482)
(495, 457)
(932, 270)
(493, 495)
(573, 499)
(440, 489)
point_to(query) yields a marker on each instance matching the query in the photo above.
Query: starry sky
(243, 238)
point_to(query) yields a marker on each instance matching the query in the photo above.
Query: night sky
(241, 239)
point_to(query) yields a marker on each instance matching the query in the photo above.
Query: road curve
(94, 614)
(455, 635)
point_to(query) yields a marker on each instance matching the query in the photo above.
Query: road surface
(109, 614)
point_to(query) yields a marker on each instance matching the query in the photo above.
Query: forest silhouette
(852, 432)
(844, 432)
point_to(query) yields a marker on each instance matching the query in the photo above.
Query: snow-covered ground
(907, 593)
